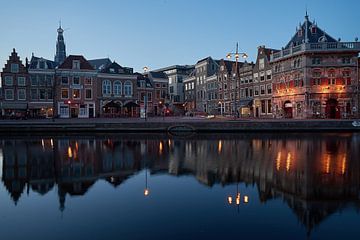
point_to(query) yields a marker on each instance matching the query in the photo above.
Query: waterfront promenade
(170, 124)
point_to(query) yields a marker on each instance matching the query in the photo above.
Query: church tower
(60, 47)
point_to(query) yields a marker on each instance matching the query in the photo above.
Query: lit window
(64, 93)
(76, 93)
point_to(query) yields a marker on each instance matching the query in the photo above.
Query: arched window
(106, 87)
(128, 89)
(117, 88)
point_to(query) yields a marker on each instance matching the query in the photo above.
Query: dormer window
(112, 70)
(76, 64)
(42, 65)
(313, 29)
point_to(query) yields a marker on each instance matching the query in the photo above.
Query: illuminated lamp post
(236, 55)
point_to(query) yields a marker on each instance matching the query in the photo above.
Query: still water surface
(252, 186)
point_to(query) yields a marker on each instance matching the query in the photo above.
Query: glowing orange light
(278, 161)
(288, 162)
(219, 146)
(327, 164)
(343, 165)
(237, 200)
(160, 147)
(146, 192)
(229, 199)
(70, 155)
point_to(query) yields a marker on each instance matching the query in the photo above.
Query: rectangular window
(64, 110)
(256, 91)
(88, 81)
(269, 89)
(149, 94)
(171, 89)
(9, 81)
(21, 81)
(21, 94)
(263, 107)
(261, 64)
(82, 110)
(268, 76)
(157, 94)
(262, 90)
(42, 80)
(49, 94)
(88, 93)
(34, 80)
(64, 80)
(14, 68)
(76, 93)
(49, 80)
(76, 64)
(42, 94)
(76, 80)
(34, 94)
(64, 93)
(9, 94)
(269, 106)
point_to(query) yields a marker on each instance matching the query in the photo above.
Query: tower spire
(60, 46)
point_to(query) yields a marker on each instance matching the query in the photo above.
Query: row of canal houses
(74, 87)
(313, 76)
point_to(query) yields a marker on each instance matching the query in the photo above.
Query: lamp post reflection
(237, 197)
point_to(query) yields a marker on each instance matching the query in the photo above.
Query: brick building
(315, 75)
(15, 88)
(116, 92)
(75, 89)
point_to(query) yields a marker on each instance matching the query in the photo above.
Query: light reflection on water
(206, 186)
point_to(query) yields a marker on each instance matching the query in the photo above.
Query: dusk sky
(159, 33)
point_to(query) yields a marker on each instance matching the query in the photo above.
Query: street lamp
(236, 55)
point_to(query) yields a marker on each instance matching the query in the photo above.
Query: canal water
(249, 186)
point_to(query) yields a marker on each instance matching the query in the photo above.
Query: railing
(317, 47)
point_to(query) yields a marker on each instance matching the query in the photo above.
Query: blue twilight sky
(159, 33)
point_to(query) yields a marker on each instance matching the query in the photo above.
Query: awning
(39, 105)
(14, 105)
(131, 105)
(112, 104)
(246, 103)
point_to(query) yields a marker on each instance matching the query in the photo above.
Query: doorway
(74, 112)
(288, 109)
(332, 109)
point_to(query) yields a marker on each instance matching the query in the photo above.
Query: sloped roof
(304, 34)
(100, 64)
(68, 63)
(158, 75)
(115, 68)
(35, 60)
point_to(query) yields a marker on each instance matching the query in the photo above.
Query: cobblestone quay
(169, 124)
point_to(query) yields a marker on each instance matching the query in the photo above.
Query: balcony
(316, 47)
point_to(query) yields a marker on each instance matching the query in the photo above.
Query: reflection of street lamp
(236, 55)
(146, 190)
(237, 202)
(221, 109)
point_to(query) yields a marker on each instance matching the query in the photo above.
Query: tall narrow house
(15, 88)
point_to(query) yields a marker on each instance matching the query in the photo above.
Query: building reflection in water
(315, 175)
